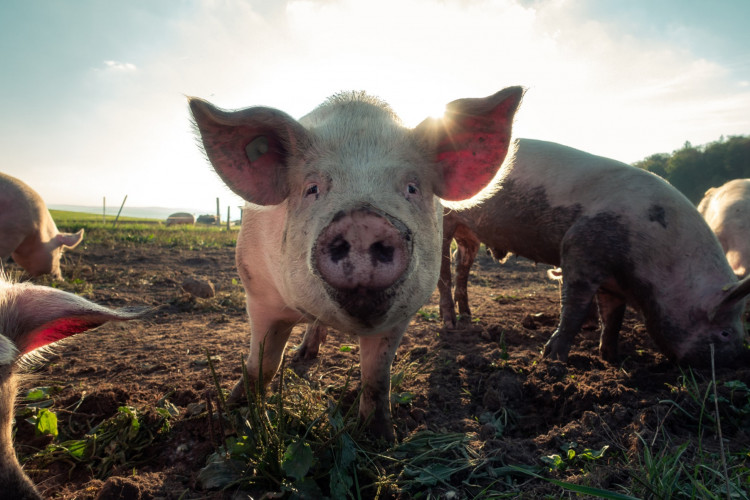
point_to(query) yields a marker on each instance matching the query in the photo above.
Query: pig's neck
(13, 481)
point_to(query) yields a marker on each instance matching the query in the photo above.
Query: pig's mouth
(366, 305)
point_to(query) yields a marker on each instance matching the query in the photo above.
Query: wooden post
(119, 211)
(104, 209)
(229, 223)
(218, 213)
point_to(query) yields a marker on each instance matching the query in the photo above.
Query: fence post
(119, 211)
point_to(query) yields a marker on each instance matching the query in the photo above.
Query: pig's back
(548, 187)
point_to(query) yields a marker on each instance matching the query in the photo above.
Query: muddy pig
(344, 224)
(32, 317)
(27, 231)
(620, 234)
(727, 211)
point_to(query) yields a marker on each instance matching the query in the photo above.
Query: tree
(693, 170)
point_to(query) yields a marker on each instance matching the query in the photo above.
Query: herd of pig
(349, 224)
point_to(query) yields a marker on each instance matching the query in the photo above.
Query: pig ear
(37, 315)
(733, 293)
(470, 141)
(69, 240)
(249, 148)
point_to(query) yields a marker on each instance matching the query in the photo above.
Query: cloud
(120, 66)
(591, 84)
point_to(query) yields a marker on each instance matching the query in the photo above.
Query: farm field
(479, 413)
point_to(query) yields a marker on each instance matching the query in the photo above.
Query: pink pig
(343, 227)
(727, 211)
(27, 231)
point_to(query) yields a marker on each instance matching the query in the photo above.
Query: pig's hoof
(449, 321)
(304, 353)
(553, 351)
(557, 370)
(237, 397)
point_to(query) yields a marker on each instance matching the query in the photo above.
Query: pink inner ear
(54, 331)
(472, 164)
(257, 181)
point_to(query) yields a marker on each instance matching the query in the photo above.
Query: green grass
(121, 440)
(131, 231)
(65, 217)
(128, 234)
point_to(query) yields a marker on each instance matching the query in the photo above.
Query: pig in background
(727, 211)
(32, 317)
(344, 224)
(620, 234)
(27, 231)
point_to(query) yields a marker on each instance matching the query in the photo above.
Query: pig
(620, 234)
(32, 317)
(344, 220)
(27, 231)
(727, 211)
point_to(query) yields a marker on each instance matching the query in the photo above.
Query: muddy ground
(492, 365)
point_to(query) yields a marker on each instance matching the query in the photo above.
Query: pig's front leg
(577, 297)
(272, 335)
(376, 356)
(315, 335)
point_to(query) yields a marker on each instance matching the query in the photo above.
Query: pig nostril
(338, 249)
(381, 253)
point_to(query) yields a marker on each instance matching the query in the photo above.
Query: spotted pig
(621, 235)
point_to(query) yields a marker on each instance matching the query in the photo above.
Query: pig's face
(363, 221)
(719, 325)
(40, 258)
(360, 247)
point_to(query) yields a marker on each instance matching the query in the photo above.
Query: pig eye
(312, 189)
(726, 333)
(411, 188)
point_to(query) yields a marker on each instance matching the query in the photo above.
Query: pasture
(132, 410)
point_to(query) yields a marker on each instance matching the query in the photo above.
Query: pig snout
(361, 255)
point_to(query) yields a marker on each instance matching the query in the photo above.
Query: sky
(93, 92)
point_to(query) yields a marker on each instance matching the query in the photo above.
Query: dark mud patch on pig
(458, 378)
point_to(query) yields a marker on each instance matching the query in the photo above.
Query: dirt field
(492, 367)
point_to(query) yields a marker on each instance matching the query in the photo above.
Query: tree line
(693, 169)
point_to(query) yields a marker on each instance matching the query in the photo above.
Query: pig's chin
(368, 308)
